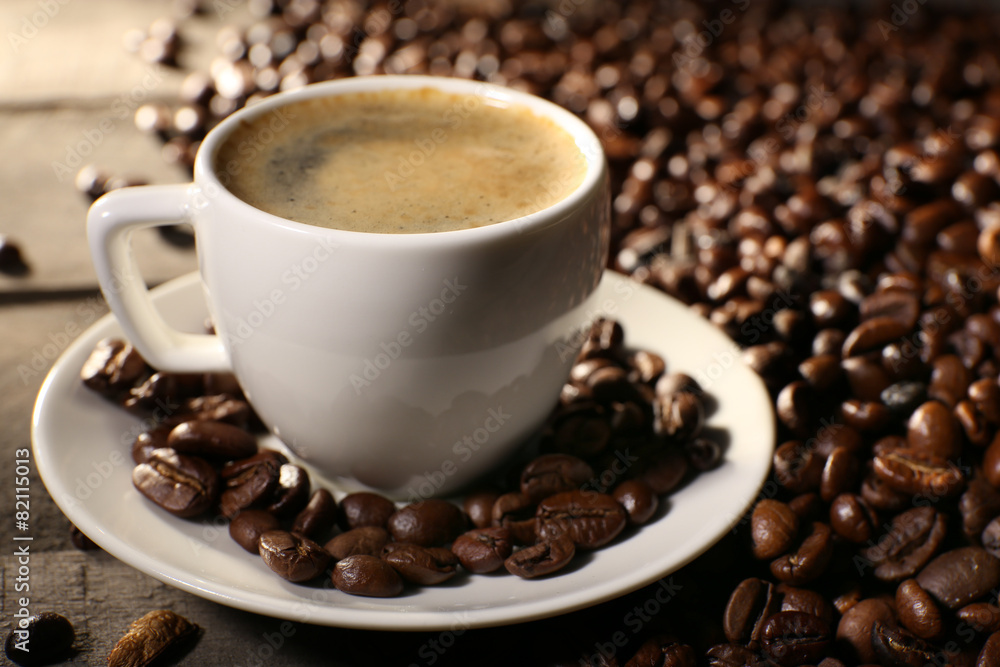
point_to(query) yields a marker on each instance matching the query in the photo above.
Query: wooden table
(67, 92)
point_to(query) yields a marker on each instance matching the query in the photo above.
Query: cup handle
(110, 222)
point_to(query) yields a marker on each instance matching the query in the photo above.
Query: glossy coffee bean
(479, 507)
(292, 556)
(978, 505)
(797, 466)
(865, 416)
(679, 415)
(899, 305)
(550, 474)
(515, 512)
(638, 500)
(427, 523)
(751, 603)
(250, 482)
(911, 541)
(247, 527)
(590, 519)
(852, 518)
(856, 626)
(663, 650)
(363, 540)
(991, 462)
(840, 474)
(112, 368)
(932, 429)
(960, 576)
(148, 441)
(990, 653)
(773, 529)
(185, 486)
(542, 558)
(417, 564)
(665, 471)
(792, 638)
(212, 439)
(364, 508)
(949, 380)
(895, 646)
(795, 407)
(483, 550)
(872, 335)
(367, 575)
(40, 639)
(809, 560)
(807, 601)
(318, 516)
(918, 612)
(915, 472)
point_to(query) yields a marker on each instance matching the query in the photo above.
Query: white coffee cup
(401, 361)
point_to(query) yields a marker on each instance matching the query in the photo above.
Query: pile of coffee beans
(624, 434)
(822, 184)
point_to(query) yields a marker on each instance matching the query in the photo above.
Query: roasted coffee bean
(881, 497)
(797, 467)
(427, 523)
(821, 371)
(806, 506)
(584, 435)
(367, 540)
(932, 429)
(972, 423)
(210, 439)
(991, 462)
(990, 653)
(978, 505)
(417, 564)
(292, 557)
(665, 471)
(610, 383)
(893, 646)
(983, 617)
(147, 442)
(899, 305)
(150, 637)
(918, 612)
(646, 366)
(40, 639)
(367, 575)
(809, 560)
(985, 394)
(318, 516)
(865, 377)
(663, 651)
(990, 537)
(828, 341)
(915, 472)
(795, 407)
(773, 529)
(112, 368)
(704, 454)
(960, 576)
(771, 361)
(733, 655)
(590, 519)
(247, 527)
(604, 339)
(792, 638)
(674, 383)
(250, 482)
(545, 557)
(550, 474)
(679, 415)
(515, 512)
(855, 631)
(751, 603)
(904, 397)
(292, 491)
(873, 334)
(638, 500)
(852, 518)
(805, 600)
(830, 309)
(483, 550)
(911, 541)
(185, 486)
(840, 474)
(865, 416)
(364, 508)
(479, 507)
(218, 408)
(949, 380)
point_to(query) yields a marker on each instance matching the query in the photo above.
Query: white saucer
(82, 443)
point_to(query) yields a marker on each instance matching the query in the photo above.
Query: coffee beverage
(401, 162)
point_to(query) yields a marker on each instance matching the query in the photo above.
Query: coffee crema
(401, 161)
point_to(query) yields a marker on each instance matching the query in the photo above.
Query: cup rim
(207, 181)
